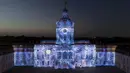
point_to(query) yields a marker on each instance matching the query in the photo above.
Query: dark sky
(38, 17)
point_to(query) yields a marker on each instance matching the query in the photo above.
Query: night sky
(106, 18)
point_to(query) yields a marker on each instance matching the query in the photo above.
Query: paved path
(49, 70)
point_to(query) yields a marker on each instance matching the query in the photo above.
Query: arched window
(70, 55)
(59, 55)
(65, 55)
(42, 62)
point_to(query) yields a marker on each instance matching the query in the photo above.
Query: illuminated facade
(64, 53)
(65, 30)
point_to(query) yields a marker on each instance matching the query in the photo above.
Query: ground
(78, 70)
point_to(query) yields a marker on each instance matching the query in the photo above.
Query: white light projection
(105, 59)
(64, 32)
(64, 54)
(85, 55)
(48, 52)
(90, 51)
(18, 59)
(44, 55)
(23, 59)
(50, 56)
(65, 39)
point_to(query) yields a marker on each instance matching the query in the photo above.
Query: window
(65, 55)
(42, 62)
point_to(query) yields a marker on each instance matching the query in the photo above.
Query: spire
(65, 3)
(65, 9)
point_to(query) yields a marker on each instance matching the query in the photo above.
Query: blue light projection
(79, 56)
(105, 59)
(65, 39)
(65, 32)
(64, 54)
(44, 55)
(85, 55)
(23, 58)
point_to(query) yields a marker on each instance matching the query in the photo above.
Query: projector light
(48, 51)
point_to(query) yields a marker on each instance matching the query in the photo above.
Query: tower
(65, 29)
(65, 39)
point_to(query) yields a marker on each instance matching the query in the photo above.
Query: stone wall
(123, 62)
(6, 62)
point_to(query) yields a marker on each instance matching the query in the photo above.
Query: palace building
(64, 52)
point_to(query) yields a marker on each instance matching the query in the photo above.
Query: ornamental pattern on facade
(65, 53)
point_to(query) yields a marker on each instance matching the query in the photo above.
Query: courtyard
(77, 70)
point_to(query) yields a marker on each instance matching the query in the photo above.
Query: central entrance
(65, 59)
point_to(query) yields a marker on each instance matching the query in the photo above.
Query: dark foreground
(78, 70)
